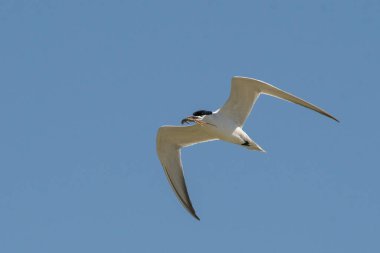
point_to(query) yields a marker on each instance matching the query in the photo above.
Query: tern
(224, 124)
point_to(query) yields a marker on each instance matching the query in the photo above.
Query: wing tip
(191, 210)
(330, 116)
(196, 216)
(337, 120)
(189, 207)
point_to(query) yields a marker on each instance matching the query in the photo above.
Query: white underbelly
(224, 129)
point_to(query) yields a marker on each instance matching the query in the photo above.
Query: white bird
(224, 124)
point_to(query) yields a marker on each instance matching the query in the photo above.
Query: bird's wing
(244, 93)
(170, 140)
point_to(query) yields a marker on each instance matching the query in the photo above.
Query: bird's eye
(202, 113)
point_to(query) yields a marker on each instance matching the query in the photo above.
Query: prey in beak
(195, 119)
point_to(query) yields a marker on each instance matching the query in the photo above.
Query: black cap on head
(202, 113)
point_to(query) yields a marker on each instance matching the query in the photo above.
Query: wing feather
(170, 140)
(244, 93)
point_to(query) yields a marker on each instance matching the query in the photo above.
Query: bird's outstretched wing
(244, 93)
(170, 140)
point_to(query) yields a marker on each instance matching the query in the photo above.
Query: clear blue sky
(84, 86)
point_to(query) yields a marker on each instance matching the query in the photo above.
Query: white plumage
(224, 124)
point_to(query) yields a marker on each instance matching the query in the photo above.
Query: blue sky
(84, 86)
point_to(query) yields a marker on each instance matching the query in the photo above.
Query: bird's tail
(254, 146)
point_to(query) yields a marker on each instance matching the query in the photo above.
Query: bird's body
(225, 129)
(224, 124)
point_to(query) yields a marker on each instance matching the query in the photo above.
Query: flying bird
(224, 124)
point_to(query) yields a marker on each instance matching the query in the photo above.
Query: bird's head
(196, 117)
